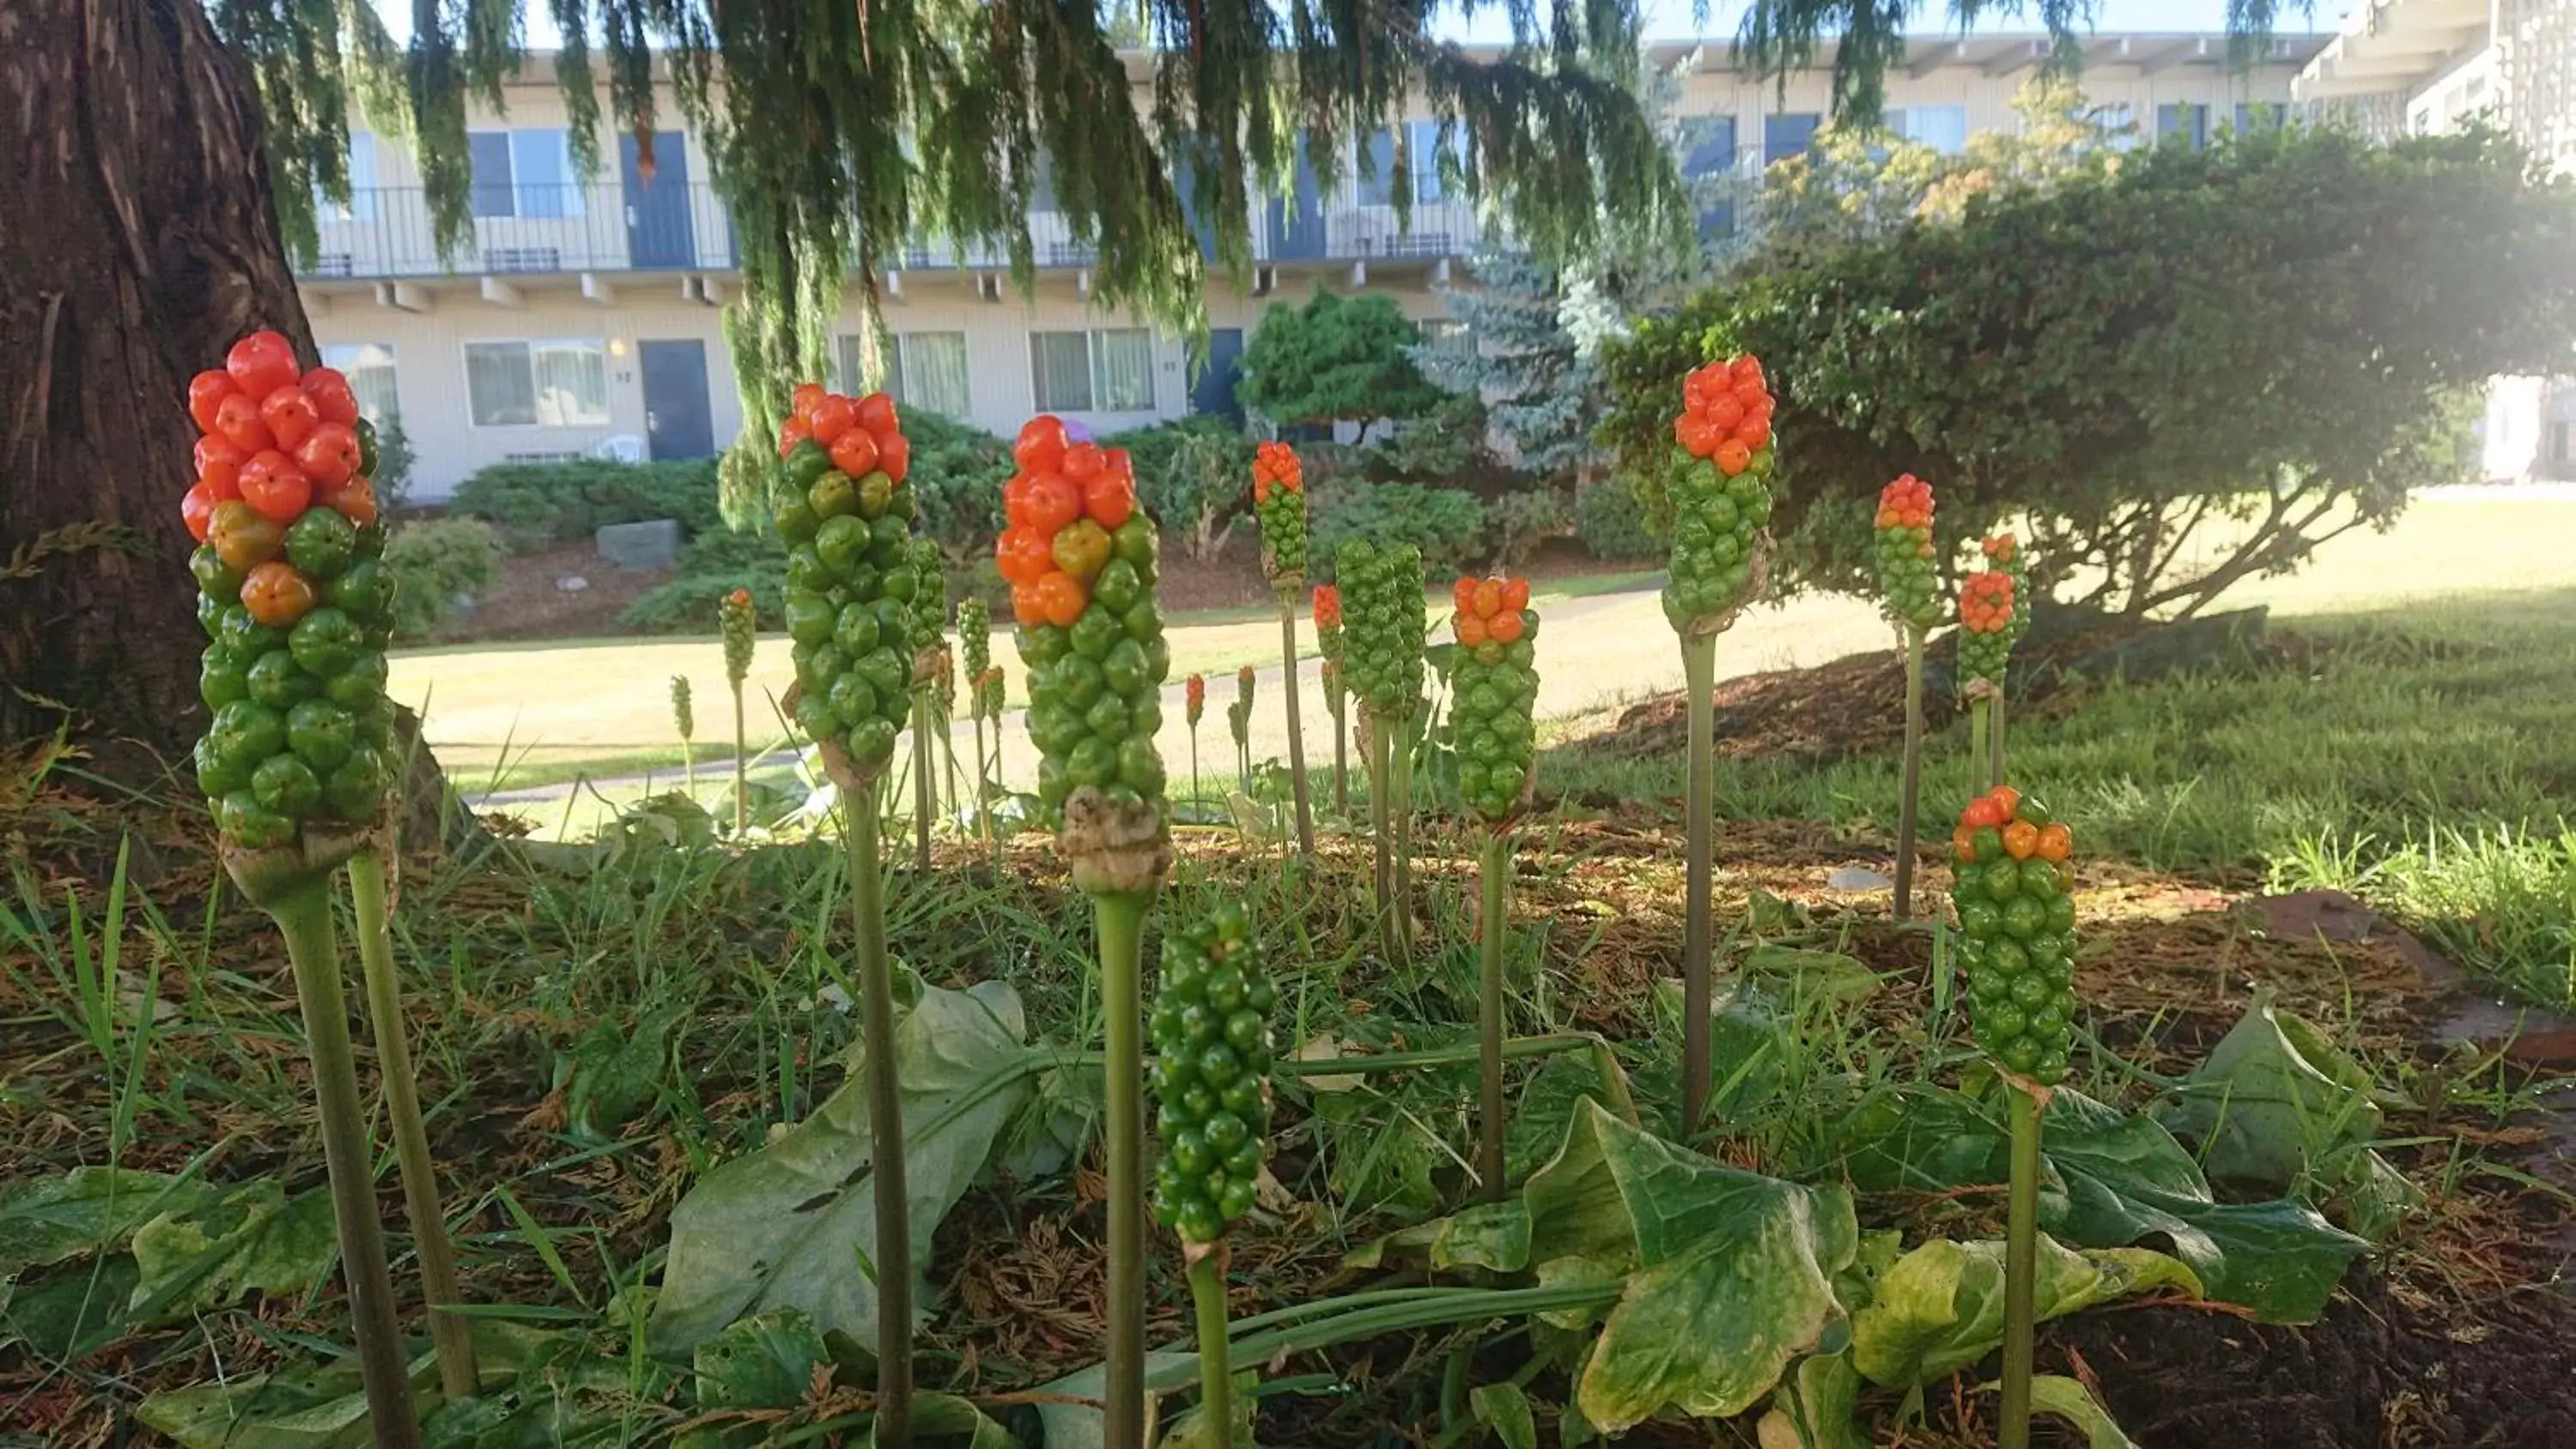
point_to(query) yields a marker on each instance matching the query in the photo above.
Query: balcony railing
(385, 233)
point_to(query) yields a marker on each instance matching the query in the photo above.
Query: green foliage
(1336, 358)
(1610, 522)
(956, 481)
(711, 567)
(537, 506)
(394, 462)
(2282, 381)
(1446, 524)
(1539, 386)
(1194, 475)
(1517, 522)
(433, 562)
(2500, 901)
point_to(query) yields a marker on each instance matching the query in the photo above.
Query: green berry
(1210, 1075)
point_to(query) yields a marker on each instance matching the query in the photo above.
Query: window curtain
(930, 372)
(1123, 370)
(1060, 366)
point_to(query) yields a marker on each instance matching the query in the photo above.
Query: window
(1105, 371)
(2258, 116)
(930, 372)
(2114, 123)
(369, 366)
(1943, 128)
(1708, 168)
(1448, 334)
(2190, 122)
(523, 173)
(556, 383)
(362, 184)
(1787, 134)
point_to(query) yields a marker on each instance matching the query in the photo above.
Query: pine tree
(1537, 385)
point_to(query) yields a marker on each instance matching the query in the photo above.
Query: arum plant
(1721, 503)
(1985, 648)
(975, 639)
(2012, 884)
(1193, 707)
(1383, 649)
(1081, 561)
(296, 764)
(2005, 555)
(684, 719)
(1279, 502)
(1495, 692)
(926, 630)
(1328, 642)
(1909, 586)
(1212, 1062)
(734, 621)
(844, 511)
(1238, 720)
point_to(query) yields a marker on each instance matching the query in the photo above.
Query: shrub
(714, 565)
(1195, 477)
(1518, 521)
(545, 505)
(957, 476)
(1445, 523)
(434, 562)
(394, 461)
(1610, 521)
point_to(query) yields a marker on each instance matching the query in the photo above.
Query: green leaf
(2071, 1401)
(326, 1407)
(1068, 1425)
(1941, 1307)
(765, 1361)
(790, 1225)
(1816, 1407)
(1493, 1236)
(951, 1420)
(254, 1241)
(1193, 1431)
(1504, 1409)
(87, 1210)
(617, 1074)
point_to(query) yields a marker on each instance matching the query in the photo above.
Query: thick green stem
(1296, 734)
(1382, 786)
(2021, 1261)
(1341, 757)
(689, 766)
(450, 1332)
(1494, 875)
(1194, 764)
(1216, 1379)
(923, 791)
(893, 1247)
(1699, 935)
(1122, 923)
(1980, 759)
(1913, 776)
(1995, 742)
(303, 916)
(1401, 809)
(741, 768)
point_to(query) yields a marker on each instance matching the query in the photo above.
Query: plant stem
(1381, 786)
(303, 916)
(1194, 764)
(893, 1247)
(1341, 758)
(1401, 808)
(689, 767)
(1980, 758)
(741, 769)
(1494, 873)
(1913, 777)
(1122, 921)
(1699, 677)
(453, 1335)
(1995, 775)
(1216, 1377)
(1296, 735)
(2021, 1260)
(922, 789)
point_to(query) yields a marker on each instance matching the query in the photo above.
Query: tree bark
(140, 241)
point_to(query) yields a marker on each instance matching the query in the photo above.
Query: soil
(530, 601)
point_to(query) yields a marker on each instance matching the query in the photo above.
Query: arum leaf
(326, 1407)
(1815, 1407)
(790, 1225)
(1081, 1425)
(1941, 1307)
(762, 1362)
(2071, 1401)
(87, 1210)
(1504, 1409)
(1494, 1236)
(253, 1241)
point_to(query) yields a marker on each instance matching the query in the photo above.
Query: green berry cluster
(1902, 550)
(683, 717)
(850, 587)
(1717, 537)
(302, 730)
(1496, 687)
(2011, 886)
(1238, 715)
(929, 595)
(1984, 654)
(739, 628)
(1383, 623)
(1096, 687)
(1212, 1057)
(975, 635)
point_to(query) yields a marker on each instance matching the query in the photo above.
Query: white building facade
(583, 319)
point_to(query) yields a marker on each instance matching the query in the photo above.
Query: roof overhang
(2393, 45)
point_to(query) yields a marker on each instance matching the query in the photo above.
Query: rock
(652, 544)
(2175, 648)
(571, 584)
(1856, 878)
(2330, 915)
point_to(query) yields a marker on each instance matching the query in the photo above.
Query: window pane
(2191, 123)
(571, 384)
(1943, 128)
(1423, 139)
(369, 366)
(499, 387)
(1787, 135)
(931, 372)
(1060, 366)
(541, 162)
(852, 374)
(490, 193)
(1709, 143)
(362, 184)
(1377, 171)
(1123, 370)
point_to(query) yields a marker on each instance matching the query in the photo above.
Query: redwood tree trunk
(139, 241)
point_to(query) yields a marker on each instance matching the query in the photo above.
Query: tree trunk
(140, 241)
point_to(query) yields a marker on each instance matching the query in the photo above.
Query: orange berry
(2056, 841)
(2020, 839)
(1470, 629)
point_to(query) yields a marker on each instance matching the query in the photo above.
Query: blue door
(658, 234)
(676, 421)
(1213, 390)
(1297, 221)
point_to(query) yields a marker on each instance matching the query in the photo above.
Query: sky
(1672, 19)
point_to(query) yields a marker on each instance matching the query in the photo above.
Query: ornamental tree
(1336, 359)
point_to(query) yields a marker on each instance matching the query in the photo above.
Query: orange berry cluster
(1275, 465)
(862, 434)
(1194, 698)
(1904, 552)
(1986, 603)
(2004, 552)
(1490, 609)
(1495, 687)
(1065, 507)
(1279, 504)
(1726, 414)
(277, 442)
